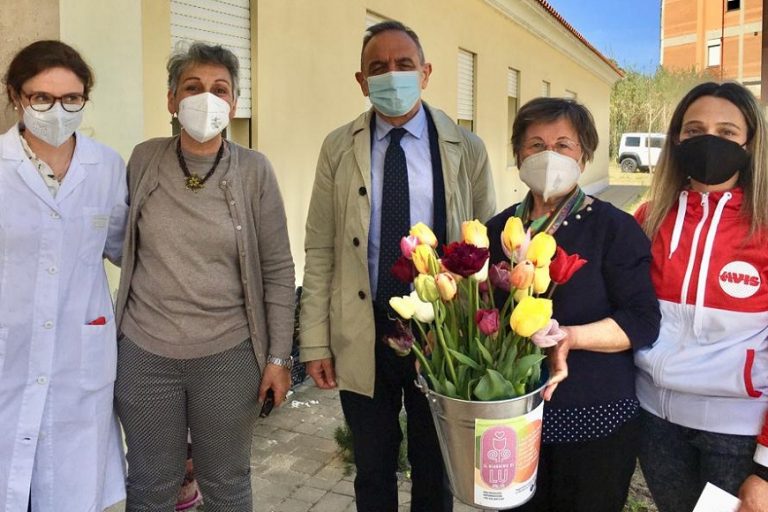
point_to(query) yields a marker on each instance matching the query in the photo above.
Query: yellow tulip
(422, 257)
(446, 285)
(513, 235)
(541, 280)
(541, 250)
(530, 315)
(424, 234)
(475, 233)
(403, 306)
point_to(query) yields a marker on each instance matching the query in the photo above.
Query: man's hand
(753, 495)
(558, 366)
(322, 373)
(279, 379)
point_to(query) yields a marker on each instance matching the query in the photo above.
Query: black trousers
(592, 476)
(376, 436)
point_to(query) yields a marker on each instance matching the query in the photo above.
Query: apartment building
(723, 37)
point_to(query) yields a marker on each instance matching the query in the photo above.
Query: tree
(645, 102)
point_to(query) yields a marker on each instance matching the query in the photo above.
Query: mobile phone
(269, 403)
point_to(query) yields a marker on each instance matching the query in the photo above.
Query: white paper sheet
(714, 499)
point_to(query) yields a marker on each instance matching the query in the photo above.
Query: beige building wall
(304, 56)
(22, 23)
(309, 51)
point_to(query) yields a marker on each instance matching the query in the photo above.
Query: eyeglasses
(43, 102)
(562, 146)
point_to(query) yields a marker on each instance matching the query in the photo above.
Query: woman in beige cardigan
(205, 307)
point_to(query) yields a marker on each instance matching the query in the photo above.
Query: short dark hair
(549, 110)
(40, 56)
(201, 53)
(385, 26)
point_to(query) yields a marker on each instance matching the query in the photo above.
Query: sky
(624, 30)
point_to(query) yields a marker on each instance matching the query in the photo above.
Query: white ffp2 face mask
(203, 116)
(550, 174)
(54, 126)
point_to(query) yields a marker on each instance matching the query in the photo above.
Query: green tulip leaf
(493, 386)
(524, 365)
(465, 359)
(484, 352)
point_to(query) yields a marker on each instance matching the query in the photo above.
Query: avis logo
(739, 279)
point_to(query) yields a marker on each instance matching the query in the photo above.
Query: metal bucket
(490, 449)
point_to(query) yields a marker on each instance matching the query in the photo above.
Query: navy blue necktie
(395, 220)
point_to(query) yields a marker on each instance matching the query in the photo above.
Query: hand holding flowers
(469, 347)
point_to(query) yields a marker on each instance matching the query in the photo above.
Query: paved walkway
(296, 466)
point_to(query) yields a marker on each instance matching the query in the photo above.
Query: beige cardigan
(257, 211)
(336, 306)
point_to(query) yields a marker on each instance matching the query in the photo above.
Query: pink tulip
(549, 335)
(487, 321)
(521, 276)
(408, 245)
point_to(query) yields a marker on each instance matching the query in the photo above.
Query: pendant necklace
(194, 182)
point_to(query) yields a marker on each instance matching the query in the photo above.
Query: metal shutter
(545, 88)
(513, 77)
(466, 85)
(227, 23)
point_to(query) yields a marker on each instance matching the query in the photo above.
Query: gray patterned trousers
(158, 398)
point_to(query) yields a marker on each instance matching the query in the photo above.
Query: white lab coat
(59, 434)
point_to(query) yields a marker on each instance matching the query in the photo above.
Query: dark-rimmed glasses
(43, 102)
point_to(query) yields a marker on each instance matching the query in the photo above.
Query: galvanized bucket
(490, 449)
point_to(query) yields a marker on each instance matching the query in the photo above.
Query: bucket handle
(423, 386)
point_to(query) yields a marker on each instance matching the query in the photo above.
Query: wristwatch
(285, 362)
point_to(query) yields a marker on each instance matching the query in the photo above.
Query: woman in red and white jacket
(703, 385)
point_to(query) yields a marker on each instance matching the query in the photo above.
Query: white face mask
(550, 174)
(203, 116)
(54, 126)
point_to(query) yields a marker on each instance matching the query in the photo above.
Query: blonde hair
(669, 179)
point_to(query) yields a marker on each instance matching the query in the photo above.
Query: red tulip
(487, 321)
(403, 270)
(564, 265)
(464, 259)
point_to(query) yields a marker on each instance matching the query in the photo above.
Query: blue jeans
(678, 461)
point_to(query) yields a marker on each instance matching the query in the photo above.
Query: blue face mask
(395, 93)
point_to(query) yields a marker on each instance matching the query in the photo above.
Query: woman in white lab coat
(62, 210)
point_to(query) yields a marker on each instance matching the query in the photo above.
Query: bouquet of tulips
(470, 347)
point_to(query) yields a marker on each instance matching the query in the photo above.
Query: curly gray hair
(201, 53)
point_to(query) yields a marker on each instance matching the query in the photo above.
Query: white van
(639, 151)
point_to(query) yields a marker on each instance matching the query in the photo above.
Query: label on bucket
(506, 458)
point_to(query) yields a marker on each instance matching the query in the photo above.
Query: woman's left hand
(278, 378)
(557, 357)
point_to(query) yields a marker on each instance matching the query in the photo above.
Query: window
(465, 109)
(713, 52)
(224, 22)
(513, 84)
(545, 88)
(656, 142)
(570, 94)
(733, 5)
(633, 142)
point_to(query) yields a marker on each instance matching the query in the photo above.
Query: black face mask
(710, 159)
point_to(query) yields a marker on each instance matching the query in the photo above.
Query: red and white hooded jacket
(708, 369)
